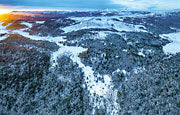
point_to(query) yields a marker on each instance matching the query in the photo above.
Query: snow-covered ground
(97, 88)
(174, 46)
(27, 24)
(141, 53)
(100, 86)
(3, 37)
(102, 22)
(40, 22)
(36, 37)
(3, 31)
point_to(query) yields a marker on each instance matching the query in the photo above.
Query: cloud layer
(69, 4)
(149, 4)
(96, 4)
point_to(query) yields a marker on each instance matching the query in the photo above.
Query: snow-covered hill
(90, 63)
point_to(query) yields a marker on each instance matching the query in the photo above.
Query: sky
(92, 4)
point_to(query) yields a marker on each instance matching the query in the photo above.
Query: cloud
(95, 4)
(69, 4)
(149, 4)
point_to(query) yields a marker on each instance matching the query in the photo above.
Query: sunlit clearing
(4, 11)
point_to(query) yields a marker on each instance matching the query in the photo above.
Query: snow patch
(140, 28)
(40, 22)
(35, 37)
(141, 53)
(101, 22)
(124, 50)
(73, 51)
(174, 46)
(27, 24)
(3, 29)
(102, 35)
(4, 37)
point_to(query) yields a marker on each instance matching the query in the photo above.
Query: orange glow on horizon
(5, 11)
(24, 13)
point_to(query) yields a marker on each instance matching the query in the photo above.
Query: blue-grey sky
(93, 4)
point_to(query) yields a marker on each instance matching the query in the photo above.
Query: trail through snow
(99, 88)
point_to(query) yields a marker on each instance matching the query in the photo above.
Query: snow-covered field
(102, 22)
(174, 46)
